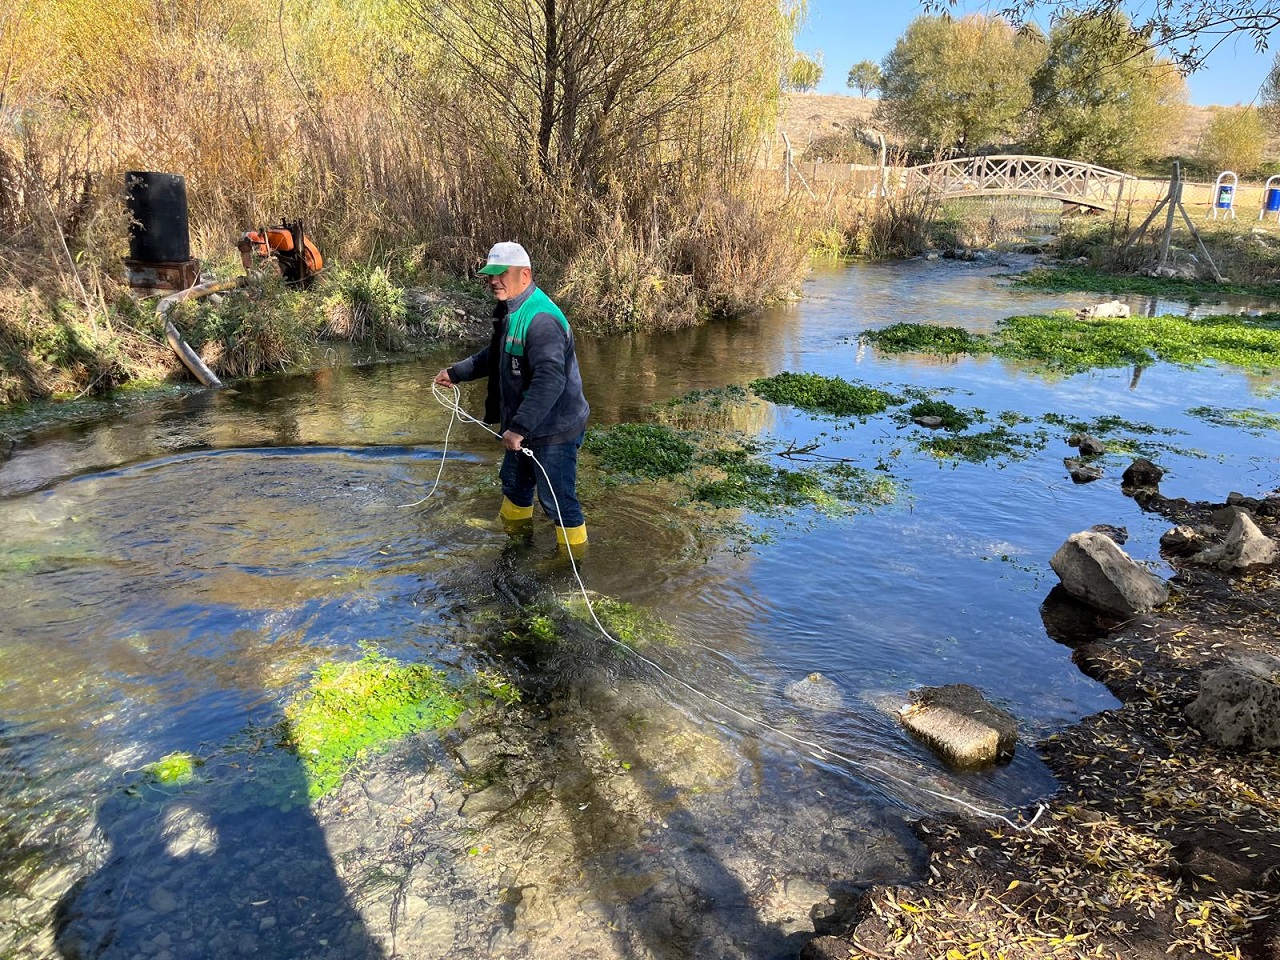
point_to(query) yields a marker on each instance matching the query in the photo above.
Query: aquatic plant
(741, 479)
(723, 408)
(641, 451)
(635, 626)
(351, 709)
(952, 417)
(924, 338)
(1106, 425)
(1250, 419)
(827, 395)
(1061, 342)
(1092, 280)
(998, 443)
(173, 769)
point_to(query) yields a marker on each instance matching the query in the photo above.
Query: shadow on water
(669, 839)
(232, 863)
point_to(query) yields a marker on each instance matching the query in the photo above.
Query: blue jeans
(520, 476)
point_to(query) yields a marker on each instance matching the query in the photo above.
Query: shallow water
(172, 571)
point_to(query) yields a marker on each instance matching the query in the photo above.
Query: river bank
(1158, 843)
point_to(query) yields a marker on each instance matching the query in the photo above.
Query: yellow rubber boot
(572, 540)
(516, 521)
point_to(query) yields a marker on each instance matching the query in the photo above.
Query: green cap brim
(493, 269)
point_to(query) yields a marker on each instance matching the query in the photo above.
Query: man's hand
(512, 440)
(442, 378)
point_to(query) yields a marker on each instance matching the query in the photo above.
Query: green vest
(518, 322)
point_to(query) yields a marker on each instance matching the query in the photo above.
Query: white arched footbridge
(1072, 182)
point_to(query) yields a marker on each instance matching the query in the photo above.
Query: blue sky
(847, 31)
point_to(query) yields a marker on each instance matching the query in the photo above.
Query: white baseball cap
(504, 255)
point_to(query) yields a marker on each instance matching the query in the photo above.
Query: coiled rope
(815, 750)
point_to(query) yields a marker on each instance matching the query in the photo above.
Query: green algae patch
(1249, 419)
(824, 395)
(1062, 343)
(998, 443)
(641, 451)
(353, 709)
(725, 470)
(1091, 280)
(925, 338)
(632, 625)
(737, 478)
(952, 417)
(173, 769)
(723, 408)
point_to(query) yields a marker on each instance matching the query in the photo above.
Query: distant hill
(807, 116)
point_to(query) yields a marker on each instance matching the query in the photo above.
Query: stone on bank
(1239, 703)
(1095, 570)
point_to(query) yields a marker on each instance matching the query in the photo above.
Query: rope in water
(815, 750)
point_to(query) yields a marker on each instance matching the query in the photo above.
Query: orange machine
(298, 258)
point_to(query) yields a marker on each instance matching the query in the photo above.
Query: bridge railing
(1016, 175)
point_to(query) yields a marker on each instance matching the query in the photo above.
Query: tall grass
(367, 121)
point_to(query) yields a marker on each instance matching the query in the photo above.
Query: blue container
(1224, 196)
(1273, 200)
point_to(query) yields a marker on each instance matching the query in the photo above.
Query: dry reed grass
(348, 118)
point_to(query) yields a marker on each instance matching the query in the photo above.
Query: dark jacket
(535, 388)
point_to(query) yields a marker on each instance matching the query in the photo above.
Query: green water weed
(1249, 419)
(633, 625)
(815, 393)
(1092, 280)
(952, 417)
(352, 709)
(641, 451)
(743, 480)
(1061, 342)
(924, 338)
(173, 769)
(998, 443)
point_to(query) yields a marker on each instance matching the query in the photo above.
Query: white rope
(444, 453)
(816, 750)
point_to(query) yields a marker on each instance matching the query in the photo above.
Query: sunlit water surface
(172, 572)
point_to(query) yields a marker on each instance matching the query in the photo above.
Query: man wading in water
(535, 395)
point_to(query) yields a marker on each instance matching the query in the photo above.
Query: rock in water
(1095, 570)
(961, 726)
(815, 692)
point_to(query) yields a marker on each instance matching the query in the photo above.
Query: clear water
(169, 573)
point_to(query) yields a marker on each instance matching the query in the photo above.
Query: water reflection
(177, 569)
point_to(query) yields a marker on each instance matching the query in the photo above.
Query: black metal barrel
(158, 204)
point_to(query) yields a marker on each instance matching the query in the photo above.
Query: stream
(172, 570)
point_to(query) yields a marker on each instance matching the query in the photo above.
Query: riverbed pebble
(815, 692)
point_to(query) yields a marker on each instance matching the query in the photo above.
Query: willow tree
(594, 89)
(1185, 31)
(1103, 95)
(1269, 95)
(959, 84)
(1235, 139)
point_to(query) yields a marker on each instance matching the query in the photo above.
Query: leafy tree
(959, 83)
(1234, 140)
(805, 73)
(864, 76)
(1102, 95)
(1188, 31)
(1269, 95)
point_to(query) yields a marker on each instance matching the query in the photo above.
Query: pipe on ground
(190, 359)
